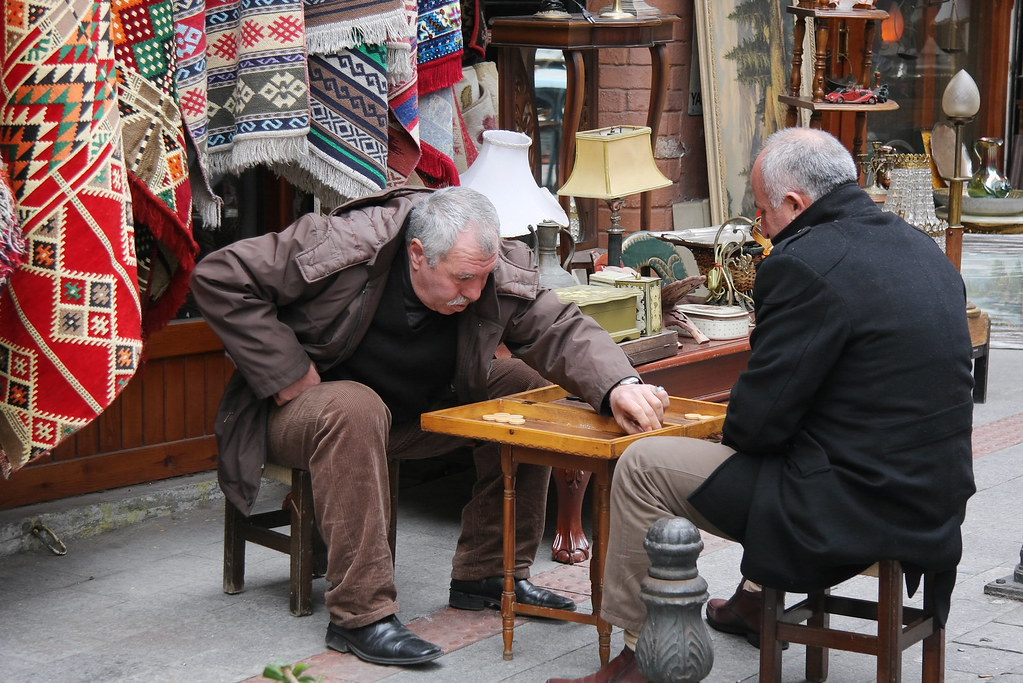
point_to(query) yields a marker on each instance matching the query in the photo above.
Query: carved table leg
(570, 542)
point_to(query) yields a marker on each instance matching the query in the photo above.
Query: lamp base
(637, 8)
(616, 12)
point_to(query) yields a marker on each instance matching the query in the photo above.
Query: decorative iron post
(674, 646)
(1010, 586)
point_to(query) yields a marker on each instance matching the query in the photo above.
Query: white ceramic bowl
(718, 322)
(985, 206)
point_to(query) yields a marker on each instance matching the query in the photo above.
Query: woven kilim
(70, 318)
(440, 44)
(346, 156)
(190, 84)
(258, 95)
(437, 129)
(403, 103)
(154, 153)
(334, 25)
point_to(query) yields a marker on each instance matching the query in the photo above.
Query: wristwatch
(630, 380)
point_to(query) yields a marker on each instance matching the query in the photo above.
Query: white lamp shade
(501, 172)
(962, 97)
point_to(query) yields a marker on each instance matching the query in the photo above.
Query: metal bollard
(1011, 586)
(674, 646)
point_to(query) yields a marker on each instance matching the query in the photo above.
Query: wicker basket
(743, 279)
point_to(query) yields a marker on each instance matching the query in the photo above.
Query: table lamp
(960, 102)
(502, 173)
(611, 164)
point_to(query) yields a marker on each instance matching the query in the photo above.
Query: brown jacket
(309, 293)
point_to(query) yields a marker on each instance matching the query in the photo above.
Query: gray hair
(444, 215)
(806, 161)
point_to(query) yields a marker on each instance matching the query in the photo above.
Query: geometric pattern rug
(70, 319)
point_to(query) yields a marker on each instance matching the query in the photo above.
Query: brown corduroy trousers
(342, 433)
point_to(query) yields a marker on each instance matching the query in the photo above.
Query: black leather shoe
(386, 641)
(475, 595)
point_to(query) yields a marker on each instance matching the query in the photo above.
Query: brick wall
(624, 82)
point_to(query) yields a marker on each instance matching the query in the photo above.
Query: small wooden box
(648, 309)
(555, 421)
(613, 308)
(653, 347)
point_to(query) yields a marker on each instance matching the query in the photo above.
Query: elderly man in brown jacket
(344, 329)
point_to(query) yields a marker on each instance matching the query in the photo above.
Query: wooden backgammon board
(549, 427)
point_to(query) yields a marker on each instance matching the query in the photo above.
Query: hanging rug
(70, 320)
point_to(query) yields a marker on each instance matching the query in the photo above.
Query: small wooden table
(562, 431)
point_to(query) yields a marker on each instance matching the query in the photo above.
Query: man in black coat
(847, 439)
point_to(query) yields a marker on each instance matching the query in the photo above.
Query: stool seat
(300, 541)
(898, 628)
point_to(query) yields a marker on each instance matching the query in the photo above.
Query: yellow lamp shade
(613, 162)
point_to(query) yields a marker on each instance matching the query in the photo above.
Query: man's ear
(416, 255)
(798, 202)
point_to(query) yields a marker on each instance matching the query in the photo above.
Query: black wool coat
(852, 423)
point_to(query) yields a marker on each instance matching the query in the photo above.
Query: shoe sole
(475, 602)
(339, 644)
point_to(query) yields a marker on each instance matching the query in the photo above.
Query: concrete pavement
(138, 595)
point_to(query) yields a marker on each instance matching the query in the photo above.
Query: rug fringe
(440, 73)
(399, 66)
(244, 154)
(325, 181)
(325, 40)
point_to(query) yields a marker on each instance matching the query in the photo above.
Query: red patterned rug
(154, 153)
(70, 318)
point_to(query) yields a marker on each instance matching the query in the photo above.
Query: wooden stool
(898, 627)
(298, 543)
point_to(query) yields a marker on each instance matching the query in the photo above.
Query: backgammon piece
(693, 416)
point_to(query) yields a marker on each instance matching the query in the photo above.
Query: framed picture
(745, 53)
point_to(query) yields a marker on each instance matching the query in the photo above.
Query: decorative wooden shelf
(804, 102)
(823, 18)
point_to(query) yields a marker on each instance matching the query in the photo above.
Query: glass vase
(988, 181)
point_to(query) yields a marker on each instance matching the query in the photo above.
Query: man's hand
(638, 407)
(310, 379)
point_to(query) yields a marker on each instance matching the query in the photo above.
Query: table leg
(658, 93)
(508, 596)
(601, 533)
(570, 543)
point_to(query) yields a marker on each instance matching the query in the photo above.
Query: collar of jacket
(357, 232)
(515, 276)
(845, 201)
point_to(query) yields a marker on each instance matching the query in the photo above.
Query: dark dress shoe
(739, 614)
(621, 669)
(386, 641)
(475, 595)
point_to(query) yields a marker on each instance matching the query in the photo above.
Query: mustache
(459, 301)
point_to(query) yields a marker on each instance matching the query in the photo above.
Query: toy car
(854, 96)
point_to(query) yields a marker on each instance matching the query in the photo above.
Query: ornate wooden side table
(517, 39)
